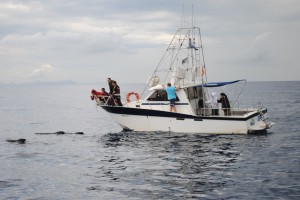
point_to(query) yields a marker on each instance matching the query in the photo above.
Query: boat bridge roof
(217, 84)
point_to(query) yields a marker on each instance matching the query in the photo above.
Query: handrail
(235, 111)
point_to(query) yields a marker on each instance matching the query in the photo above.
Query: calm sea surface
(106, 163)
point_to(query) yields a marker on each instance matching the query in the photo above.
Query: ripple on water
(10, 183)
(164, 165)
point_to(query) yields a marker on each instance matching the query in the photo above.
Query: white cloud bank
(43, 71)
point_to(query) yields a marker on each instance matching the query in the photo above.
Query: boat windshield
(159, 95)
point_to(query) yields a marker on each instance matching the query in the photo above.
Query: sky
(87, 41)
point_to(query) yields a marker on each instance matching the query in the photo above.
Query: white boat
(183, 65)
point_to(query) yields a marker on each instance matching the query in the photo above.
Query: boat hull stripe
(162, 104)
(158, 113)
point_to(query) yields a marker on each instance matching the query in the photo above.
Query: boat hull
(137, 119)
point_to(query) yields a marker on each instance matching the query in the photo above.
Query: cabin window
(159, 95)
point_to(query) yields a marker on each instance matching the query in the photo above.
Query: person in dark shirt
(225, 103)
(104, 92)
(109, 81)
(116, 93)
(105, 95)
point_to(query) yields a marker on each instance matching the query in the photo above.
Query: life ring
(137, 96)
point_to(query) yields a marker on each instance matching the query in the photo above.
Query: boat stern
(258, 121)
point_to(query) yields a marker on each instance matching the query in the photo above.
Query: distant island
(42, 83)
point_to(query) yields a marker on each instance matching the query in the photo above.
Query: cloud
(261, 47)
(103, 38)
(15, 7)
(260, 39)
(41, 72)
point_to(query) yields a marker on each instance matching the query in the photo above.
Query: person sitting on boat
(116, 94)
(171, 95)
(214, 103)
(105, 96)
(107, 99)
(225, 103)
(98, 96)
(95, 94)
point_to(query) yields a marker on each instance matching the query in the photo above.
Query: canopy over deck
(218, 84)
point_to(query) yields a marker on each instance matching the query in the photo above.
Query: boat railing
(223, 112)
(102, 100)
(126, 104)
(108, 101)
(234, 111)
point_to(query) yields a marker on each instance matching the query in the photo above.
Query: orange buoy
(137, 96)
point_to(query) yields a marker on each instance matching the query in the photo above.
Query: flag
(203, 71)
(185, 60)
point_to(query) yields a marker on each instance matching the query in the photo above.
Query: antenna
(182, 18)
(192, 15)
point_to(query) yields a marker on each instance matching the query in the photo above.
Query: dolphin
(20, 141)
(60, 133)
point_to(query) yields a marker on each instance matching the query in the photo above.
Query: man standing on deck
(116, 93)
(110, 85)
(171, 95)
(225, 103)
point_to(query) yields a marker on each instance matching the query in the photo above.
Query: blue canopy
(218, 84)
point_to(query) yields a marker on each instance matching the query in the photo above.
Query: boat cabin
(190, 100)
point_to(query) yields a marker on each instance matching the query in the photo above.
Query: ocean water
(106, 163)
